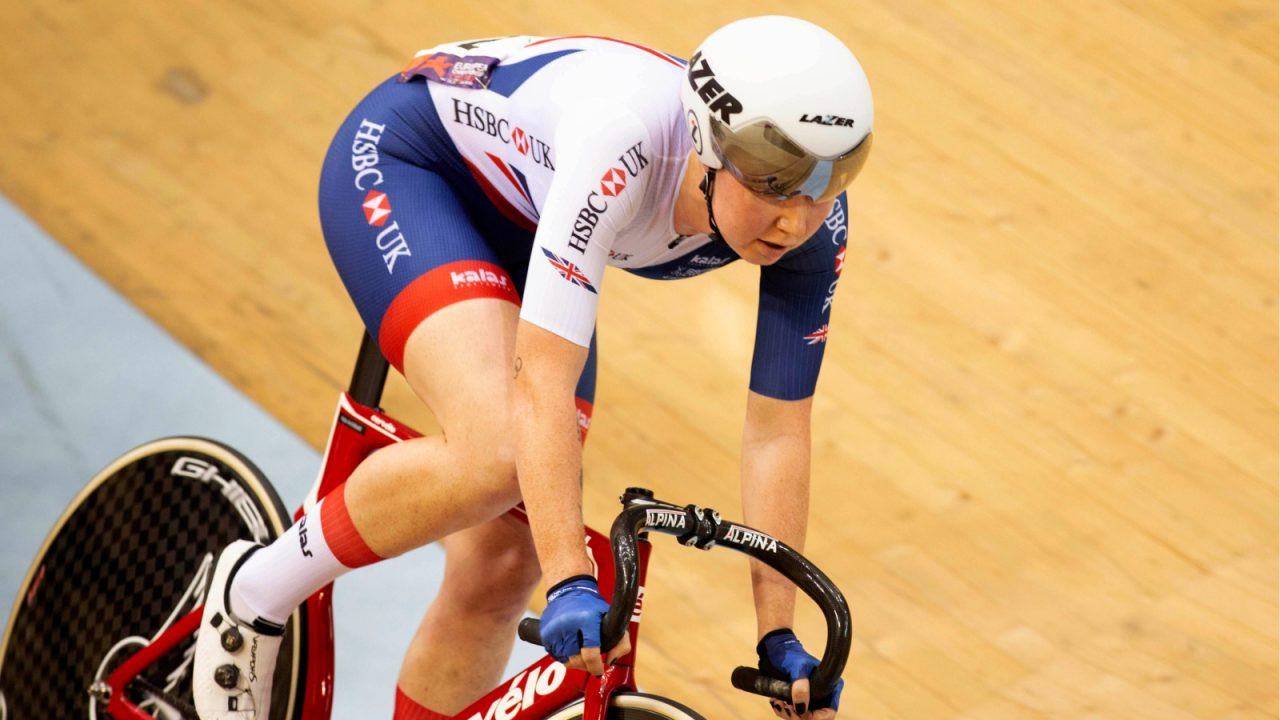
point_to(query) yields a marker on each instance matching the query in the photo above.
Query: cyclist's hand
(783, 657)
(571, 625)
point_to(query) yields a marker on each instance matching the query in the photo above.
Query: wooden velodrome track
(1045, 438)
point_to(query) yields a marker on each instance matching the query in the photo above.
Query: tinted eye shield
(766, 161)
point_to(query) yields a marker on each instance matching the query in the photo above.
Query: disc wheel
(130, 555)
(633, 706)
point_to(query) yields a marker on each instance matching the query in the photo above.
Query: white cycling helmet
(782, 105)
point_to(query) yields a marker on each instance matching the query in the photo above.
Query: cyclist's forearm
(775, 496)
(548, 452)
(548, 464)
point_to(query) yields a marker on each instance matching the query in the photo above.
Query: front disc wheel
(633, 706)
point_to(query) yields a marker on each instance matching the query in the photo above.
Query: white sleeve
(602, 165)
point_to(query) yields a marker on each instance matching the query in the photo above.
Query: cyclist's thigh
(458, 361)
(396, 222)
(405, 244)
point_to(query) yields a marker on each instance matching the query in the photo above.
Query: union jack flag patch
(817, 336)
(569, 271)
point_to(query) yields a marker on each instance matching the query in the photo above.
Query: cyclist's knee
(486, 449)
(495, 583)
(492, 568)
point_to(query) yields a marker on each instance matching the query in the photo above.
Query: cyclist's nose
(789, 222)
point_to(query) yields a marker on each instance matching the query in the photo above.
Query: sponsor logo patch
(302, 536)
(817, 336)
(635, 614)
(384, 424)
(570, 272)
(207, 473)
(665, 519)
(376, 208)
(520, 139)
(523, 692)
(708, 262)
(364, 154)
(481, 119)
(376, 205)
(703, 80)
(469, 71)
(393, 246)
(831, 120)
(479, 276)
(836, 223)
(612, 183)
(695, 132)
(751, 538)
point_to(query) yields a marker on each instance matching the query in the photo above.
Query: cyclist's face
(761, 229)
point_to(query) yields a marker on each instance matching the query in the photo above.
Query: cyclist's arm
(791, 331)
(548, 452)
(775, 495)
(585, 207)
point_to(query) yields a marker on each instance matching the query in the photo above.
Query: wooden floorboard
(1045, 466)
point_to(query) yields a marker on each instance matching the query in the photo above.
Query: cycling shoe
(235, 659)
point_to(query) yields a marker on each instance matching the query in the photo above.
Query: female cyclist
(470, 205)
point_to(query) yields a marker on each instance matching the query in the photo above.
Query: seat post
(370, 374)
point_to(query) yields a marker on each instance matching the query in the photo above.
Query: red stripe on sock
(341, 534)
(407, 709)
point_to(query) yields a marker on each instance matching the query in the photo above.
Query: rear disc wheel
(128, 557)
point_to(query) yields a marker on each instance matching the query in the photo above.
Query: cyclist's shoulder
(596, 74)
(598, 51)
(579, 82)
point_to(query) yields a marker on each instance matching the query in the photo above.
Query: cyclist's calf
(490, 570)
(466, 637)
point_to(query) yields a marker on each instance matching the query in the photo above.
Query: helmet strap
(708, 187)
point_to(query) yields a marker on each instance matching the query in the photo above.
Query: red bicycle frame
(532, 694)
(360, 428)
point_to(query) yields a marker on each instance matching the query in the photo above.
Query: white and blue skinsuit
(570, 159)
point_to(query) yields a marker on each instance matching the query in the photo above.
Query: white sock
(278, 577)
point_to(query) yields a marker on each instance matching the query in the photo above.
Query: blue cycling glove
(783, 657)
(572, 619)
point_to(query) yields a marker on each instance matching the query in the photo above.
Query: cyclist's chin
(762, 252)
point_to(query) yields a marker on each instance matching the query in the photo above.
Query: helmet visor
(768, 162)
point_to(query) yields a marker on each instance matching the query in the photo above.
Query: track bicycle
(104, 623)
